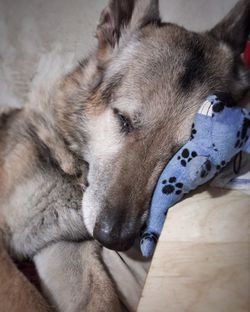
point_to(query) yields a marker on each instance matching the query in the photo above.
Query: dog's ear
(124, 16)
(234, 29)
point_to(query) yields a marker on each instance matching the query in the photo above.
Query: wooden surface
(202, 261)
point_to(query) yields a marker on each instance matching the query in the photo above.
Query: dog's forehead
(166, 64)
(172, 56)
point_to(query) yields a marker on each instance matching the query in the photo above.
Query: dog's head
(148, 78)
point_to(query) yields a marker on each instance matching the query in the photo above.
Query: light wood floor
(202, 261)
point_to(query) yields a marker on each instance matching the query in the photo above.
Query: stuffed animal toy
(219, 132)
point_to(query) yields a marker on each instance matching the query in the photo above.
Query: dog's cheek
(105, 139)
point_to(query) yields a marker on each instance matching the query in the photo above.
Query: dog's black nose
(113, 234)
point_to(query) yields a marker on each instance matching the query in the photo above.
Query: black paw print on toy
(242, 136)
(214, 148)
(223, 100)
(193, 132)
(172, 186)
(206, 168)
(222, 165)
(186, 156)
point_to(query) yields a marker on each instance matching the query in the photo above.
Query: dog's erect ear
(121, 15)
(234, 29)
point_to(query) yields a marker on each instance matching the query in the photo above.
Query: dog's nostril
(104, 236)
(112, 237)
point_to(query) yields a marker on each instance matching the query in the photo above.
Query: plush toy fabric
(219, 132)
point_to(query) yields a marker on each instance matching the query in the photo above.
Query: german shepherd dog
(115, 119)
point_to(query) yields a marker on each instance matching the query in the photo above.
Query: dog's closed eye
(124, 121)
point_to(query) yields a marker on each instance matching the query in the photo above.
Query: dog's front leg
(16, 292)
(49, 212)
(74, 278)
(50, 226)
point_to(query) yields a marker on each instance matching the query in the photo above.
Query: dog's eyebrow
(195, 64)
(113, 84)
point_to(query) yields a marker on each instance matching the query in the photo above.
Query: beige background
(35, 29)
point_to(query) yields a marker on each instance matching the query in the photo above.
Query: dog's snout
(113, 233)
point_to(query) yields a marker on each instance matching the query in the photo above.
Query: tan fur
(83, 273)
(30, 182)
(116, 119)
(16, 293)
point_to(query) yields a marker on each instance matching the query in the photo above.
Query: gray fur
(116, 118)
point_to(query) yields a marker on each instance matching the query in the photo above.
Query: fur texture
(115, 118)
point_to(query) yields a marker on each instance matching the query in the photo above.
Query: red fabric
(247, 55)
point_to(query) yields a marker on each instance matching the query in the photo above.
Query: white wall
(30, 29)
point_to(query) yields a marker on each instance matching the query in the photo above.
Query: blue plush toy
(219, 132)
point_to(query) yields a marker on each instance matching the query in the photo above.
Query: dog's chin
(126, 245)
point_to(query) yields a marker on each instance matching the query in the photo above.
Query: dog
(114, 120)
